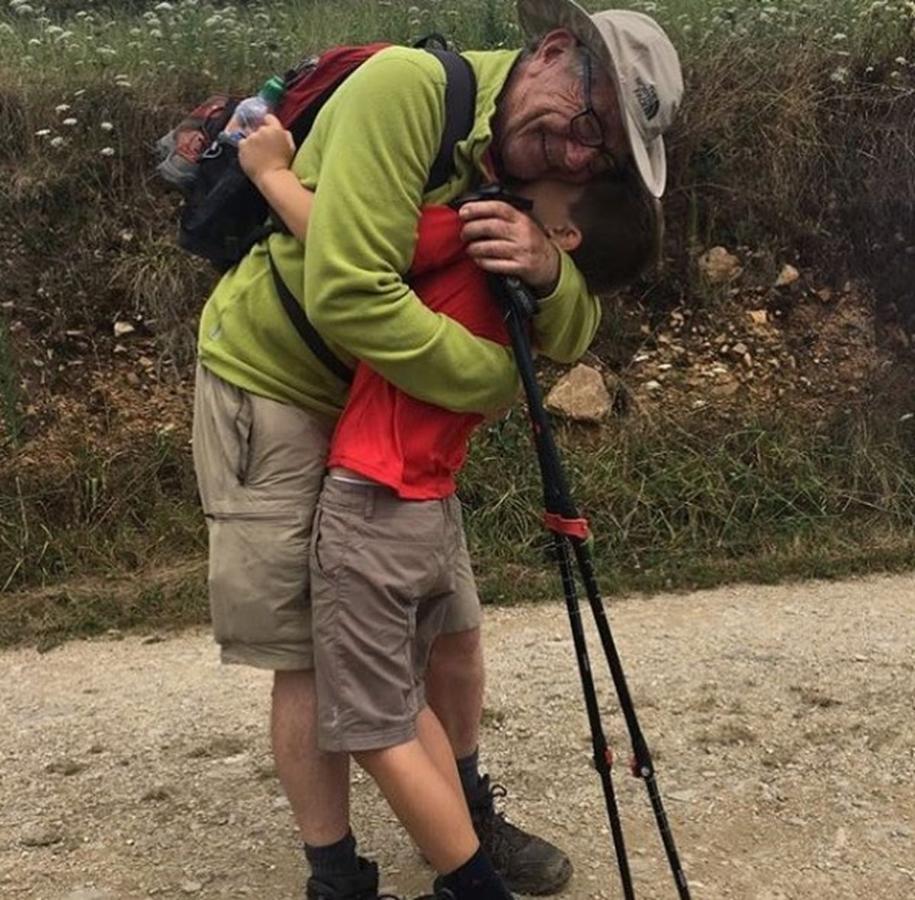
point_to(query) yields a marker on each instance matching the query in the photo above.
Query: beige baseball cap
(643, 66)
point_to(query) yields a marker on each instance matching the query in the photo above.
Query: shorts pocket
(330, 534)
(259, 579)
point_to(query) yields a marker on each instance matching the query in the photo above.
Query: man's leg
(259, 468)
(454, 690)
(316, 783)
(454, 687)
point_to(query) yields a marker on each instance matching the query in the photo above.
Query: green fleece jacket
(368, 158)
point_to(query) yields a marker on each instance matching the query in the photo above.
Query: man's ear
(554, 44)
(567, 237)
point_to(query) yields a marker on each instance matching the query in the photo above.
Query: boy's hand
(268, 149)
(506, 241)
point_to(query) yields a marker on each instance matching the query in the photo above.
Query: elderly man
(591, 93)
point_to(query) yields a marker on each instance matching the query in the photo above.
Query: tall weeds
(10, 394)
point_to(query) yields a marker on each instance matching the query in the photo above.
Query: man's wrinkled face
(536, 139)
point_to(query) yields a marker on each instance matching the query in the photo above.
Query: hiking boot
(528, 864)
(361, 885)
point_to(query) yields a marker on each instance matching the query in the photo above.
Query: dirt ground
(781, 719)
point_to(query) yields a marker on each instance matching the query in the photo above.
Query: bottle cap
(273, 90)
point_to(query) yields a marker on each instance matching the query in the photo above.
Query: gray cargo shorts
(386, 576)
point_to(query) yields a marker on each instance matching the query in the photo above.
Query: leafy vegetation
(796, 138)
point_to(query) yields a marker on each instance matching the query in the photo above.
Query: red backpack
(223, 214)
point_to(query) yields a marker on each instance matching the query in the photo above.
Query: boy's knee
(374, 761)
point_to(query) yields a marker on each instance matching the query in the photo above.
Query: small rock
(64, 767)
(40, 836)
(123, 328)
(718, 266)
(191, 887)
(156, 794)
(652, 386)
(788, 275)
(90, 894)
(759, 316)
(725, 389)
(580, 395)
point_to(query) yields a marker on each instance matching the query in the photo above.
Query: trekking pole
(568, 528)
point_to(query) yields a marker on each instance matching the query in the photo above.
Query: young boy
(388, 555)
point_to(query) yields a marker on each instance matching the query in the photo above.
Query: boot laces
(502, 835)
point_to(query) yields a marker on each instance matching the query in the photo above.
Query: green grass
(10, 393)
(796, 139)
(673, 506)
(106, 514)
(120, 542)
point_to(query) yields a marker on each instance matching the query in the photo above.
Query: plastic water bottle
(251, 111)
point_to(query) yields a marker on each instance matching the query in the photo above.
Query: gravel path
(781, 720)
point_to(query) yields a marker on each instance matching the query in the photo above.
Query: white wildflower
(57, 142)
(840, 36)
(107, 151)
(901, 61)
(107, 126)
(6, 28)
(69, 122)
(840, 75)
(42, 132)
(62, 108)
(53, 29)
(23, 9)
(163, 7)
(34, 42)
(155, 33)
(79, 93)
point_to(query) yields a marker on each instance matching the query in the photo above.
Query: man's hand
(268, 149)
(506, 241)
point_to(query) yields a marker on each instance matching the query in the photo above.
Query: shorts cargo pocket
(259, 578)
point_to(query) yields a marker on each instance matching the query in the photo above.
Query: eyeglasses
(586, 127)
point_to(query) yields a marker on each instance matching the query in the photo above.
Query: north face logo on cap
(647, 96)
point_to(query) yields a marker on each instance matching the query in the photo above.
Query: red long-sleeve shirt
(411, 446)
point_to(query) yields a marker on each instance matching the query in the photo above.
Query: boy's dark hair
(621, 229)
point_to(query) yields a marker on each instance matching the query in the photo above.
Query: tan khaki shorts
(385, 574)
(259, 468)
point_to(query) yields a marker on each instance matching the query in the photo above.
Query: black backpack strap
(460, 112)
(306, 330)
